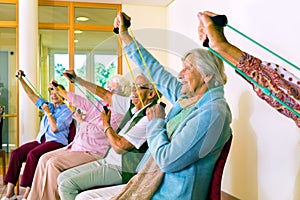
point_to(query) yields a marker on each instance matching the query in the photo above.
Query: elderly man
(128, 142)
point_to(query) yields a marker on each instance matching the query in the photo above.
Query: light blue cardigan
(188, 160)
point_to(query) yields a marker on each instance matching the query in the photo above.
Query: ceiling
(58, 39)
(133, 2)
(88, 40)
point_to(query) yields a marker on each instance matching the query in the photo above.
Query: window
(77, 36)
(9, 61)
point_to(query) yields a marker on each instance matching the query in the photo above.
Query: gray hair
(209, 64)
(124, 84)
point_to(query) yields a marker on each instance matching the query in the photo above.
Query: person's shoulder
(120, 98)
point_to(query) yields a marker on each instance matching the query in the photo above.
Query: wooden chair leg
(3, 156)
(17, 188)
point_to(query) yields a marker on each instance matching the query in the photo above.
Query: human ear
(151, 94)
(208, 78)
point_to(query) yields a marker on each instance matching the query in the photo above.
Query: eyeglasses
(140, 87)
(115, 90)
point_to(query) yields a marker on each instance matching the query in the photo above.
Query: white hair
(123, 83)
(209, 64)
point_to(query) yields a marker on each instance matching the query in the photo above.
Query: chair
(71, 136)
(2, 152)
(214, 192)
(72, 131)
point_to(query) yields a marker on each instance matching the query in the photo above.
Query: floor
(3, 190)
(224, 195)
(3, 187)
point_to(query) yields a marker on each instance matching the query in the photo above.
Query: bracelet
(106, 128)
(49, 114)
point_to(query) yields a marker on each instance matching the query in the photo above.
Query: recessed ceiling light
(82, 19)
(77, 31)
(75, 41)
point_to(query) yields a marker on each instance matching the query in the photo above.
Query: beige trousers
(51, 164)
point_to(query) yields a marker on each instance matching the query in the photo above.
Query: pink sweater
(89, 136)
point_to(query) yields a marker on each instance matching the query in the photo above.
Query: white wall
(146, 21)
(265, 156)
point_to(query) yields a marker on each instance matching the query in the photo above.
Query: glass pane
(105, 67)
(10, 140)
(8, 91)
(8, 12)
(100, 50)
(61, 63)
(99, 16)
(54, 57)
(80, 65)
(53, 14)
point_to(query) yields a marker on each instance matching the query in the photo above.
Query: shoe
(14, 197)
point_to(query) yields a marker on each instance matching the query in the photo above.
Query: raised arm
(30, 93)
(217, 40)
(97, 90)
(123, 30)
(272, 76)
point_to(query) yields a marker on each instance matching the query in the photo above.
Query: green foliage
(81, 72)
(58, 75)
(103, 73)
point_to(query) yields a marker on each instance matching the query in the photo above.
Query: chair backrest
(214, 192)
(72, 131)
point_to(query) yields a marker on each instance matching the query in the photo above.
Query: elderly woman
(186, 143)
(89, 144)
(54, 130)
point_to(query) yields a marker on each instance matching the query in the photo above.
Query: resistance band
(131, 73)
(40, 96)
(63, 93)
(265, 90)
(30, 84)
(116, 30)
(221, 20)
(146, 66)
(88, 95)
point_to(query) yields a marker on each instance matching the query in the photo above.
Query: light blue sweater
(188, 160)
